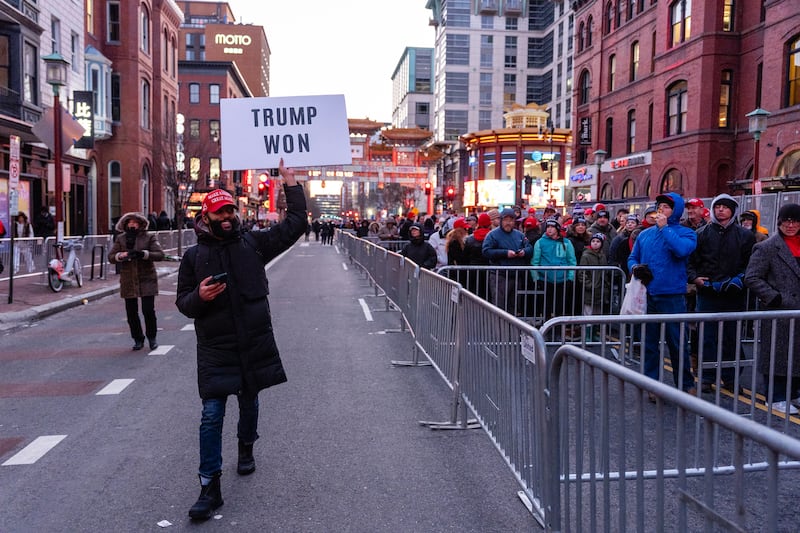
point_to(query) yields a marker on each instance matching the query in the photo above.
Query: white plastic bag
(635, 301)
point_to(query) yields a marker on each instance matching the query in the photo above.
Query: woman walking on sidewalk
(134, 250)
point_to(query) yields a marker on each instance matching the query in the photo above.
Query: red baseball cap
(216, 200)
(696, 202)
(531, 210)
(461, 222)
(531, 222)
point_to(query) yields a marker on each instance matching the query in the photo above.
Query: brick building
(663, 88)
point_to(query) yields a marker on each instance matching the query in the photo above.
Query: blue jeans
(211, 430)
(678, 352)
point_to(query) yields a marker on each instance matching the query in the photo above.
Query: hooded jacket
(137, 277)
(420, 251)
(722, 252)
(666, 251)
(236, 350)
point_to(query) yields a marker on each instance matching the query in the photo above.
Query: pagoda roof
(406, 134)
(364, 126)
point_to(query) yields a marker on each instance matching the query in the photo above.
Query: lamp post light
(56, 76)
(757, 125)
(599, 159)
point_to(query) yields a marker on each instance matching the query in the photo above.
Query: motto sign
(303, 130)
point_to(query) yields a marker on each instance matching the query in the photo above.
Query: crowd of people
(690, 256)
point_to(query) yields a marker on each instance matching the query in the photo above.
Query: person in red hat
(473, 249)
(694, 214)
(530, 227)
(222, 285)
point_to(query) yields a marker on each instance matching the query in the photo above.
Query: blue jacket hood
(677, 211)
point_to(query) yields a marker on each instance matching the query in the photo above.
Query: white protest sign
(303, 130)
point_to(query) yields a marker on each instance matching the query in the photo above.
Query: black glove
(642, 273)
(135, 254)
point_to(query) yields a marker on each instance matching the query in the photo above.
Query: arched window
(680, 19)
(144, 29)
(609, 20)
(607, 192)
(584, 86)
(581, 37)
(629, 189)
(145, 188)
(671, 182)
(634, 67)
(793, 81)
(145, 109)
(609, 137)
(589, 31)
(677, 105)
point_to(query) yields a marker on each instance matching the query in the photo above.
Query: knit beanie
(484, 220)
(789, 212)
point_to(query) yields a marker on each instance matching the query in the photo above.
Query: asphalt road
(340, 450)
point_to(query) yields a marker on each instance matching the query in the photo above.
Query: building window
(112, 21)
(631, 141)
(485, 89)
(145, 30)
(30, 89)
(584, 86)
(589, 31)
(213, 130)
(727, 15)
(653, 52)
(794, 74)
(612, 71)
(487, 22)
(456, 89)
(609, 136)
(145, 104)
(114, 191)
(89, 10)
(213, 93)
(486, 51)
(509, 89)
(484, 119)
(631, 9)
(165, 47)
(213, 170)
(457, 49)
(55, 35)
(75, 44)
(194, 168)
(635, 61)
(512, 23)
(725, 91)
(540, 51)
(609, 20)
(650, 126)
(194, 128)
(455, 123)
(680, 16)
(194, 93)
(116, 98)
(677, 98)
(629, 189)
(618, 15)
(581, 37)
(671, 182)
(511, 52)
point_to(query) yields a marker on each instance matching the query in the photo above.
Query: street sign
(13, 174)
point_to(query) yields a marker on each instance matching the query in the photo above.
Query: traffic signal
(263, 187)
(428, 188)
(450, 193)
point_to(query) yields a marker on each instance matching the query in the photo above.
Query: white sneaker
(782, 406)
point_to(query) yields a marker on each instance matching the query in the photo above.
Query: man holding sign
(223, 286)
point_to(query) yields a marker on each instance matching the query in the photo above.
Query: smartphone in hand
(218, 278)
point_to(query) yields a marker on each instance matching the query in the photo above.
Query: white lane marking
(302, 244)
(167, 293)
(162, 349)
(365, 308)
(35, 450)
(344, 266)
(115, 387)
(336, 247)
(188, 327)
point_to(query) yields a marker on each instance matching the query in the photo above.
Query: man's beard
(217, 231)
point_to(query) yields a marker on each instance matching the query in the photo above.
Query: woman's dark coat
(137, 277)
(236, 350)
(773, 272)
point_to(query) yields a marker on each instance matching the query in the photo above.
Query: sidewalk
(32, 298)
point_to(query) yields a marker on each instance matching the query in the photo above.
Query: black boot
(138, 344)
(210, 498)
(153, 343)
(247, 464)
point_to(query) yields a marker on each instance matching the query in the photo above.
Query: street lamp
(599, 159)
(757, 126)
(56, 76)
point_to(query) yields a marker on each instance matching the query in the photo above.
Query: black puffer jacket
(236, 348)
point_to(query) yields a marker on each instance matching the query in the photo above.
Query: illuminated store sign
(232, 42)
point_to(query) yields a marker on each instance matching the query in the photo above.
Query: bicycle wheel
(53, 280)
(78, 271)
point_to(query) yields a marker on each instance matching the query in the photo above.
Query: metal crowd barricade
(393, 246)
(621, 463)
(536, 294)
(749, 394)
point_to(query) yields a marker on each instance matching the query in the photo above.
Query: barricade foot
(534, 507)
(472, 423)
(411, 363)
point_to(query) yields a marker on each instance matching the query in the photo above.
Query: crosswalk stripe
(115, 387)
(344, 266)
(365, 308)
(162, 349)
(35, 450)
(188, 327)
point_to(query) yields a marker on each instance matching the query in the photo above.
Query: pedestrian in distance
(596, 284)
(659, 258)
(716, 268)
(135, 250)
(506, 246)
(473, 248)
(773, 274)
(418, 249)
(222, 285)
(751, 221)
(43, 223)
(553, 250)
(24, 230)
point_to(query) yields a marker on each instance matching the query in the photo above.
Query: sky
(349, 47)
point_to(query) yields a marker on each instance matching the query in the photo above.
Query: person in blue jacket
(660, 258)
(554, 250)
(507, 246)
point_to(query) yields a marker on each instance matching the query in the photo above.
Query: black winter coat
(236, 350)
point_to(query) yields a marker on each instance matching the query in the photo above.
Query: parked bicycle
(59, 271)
